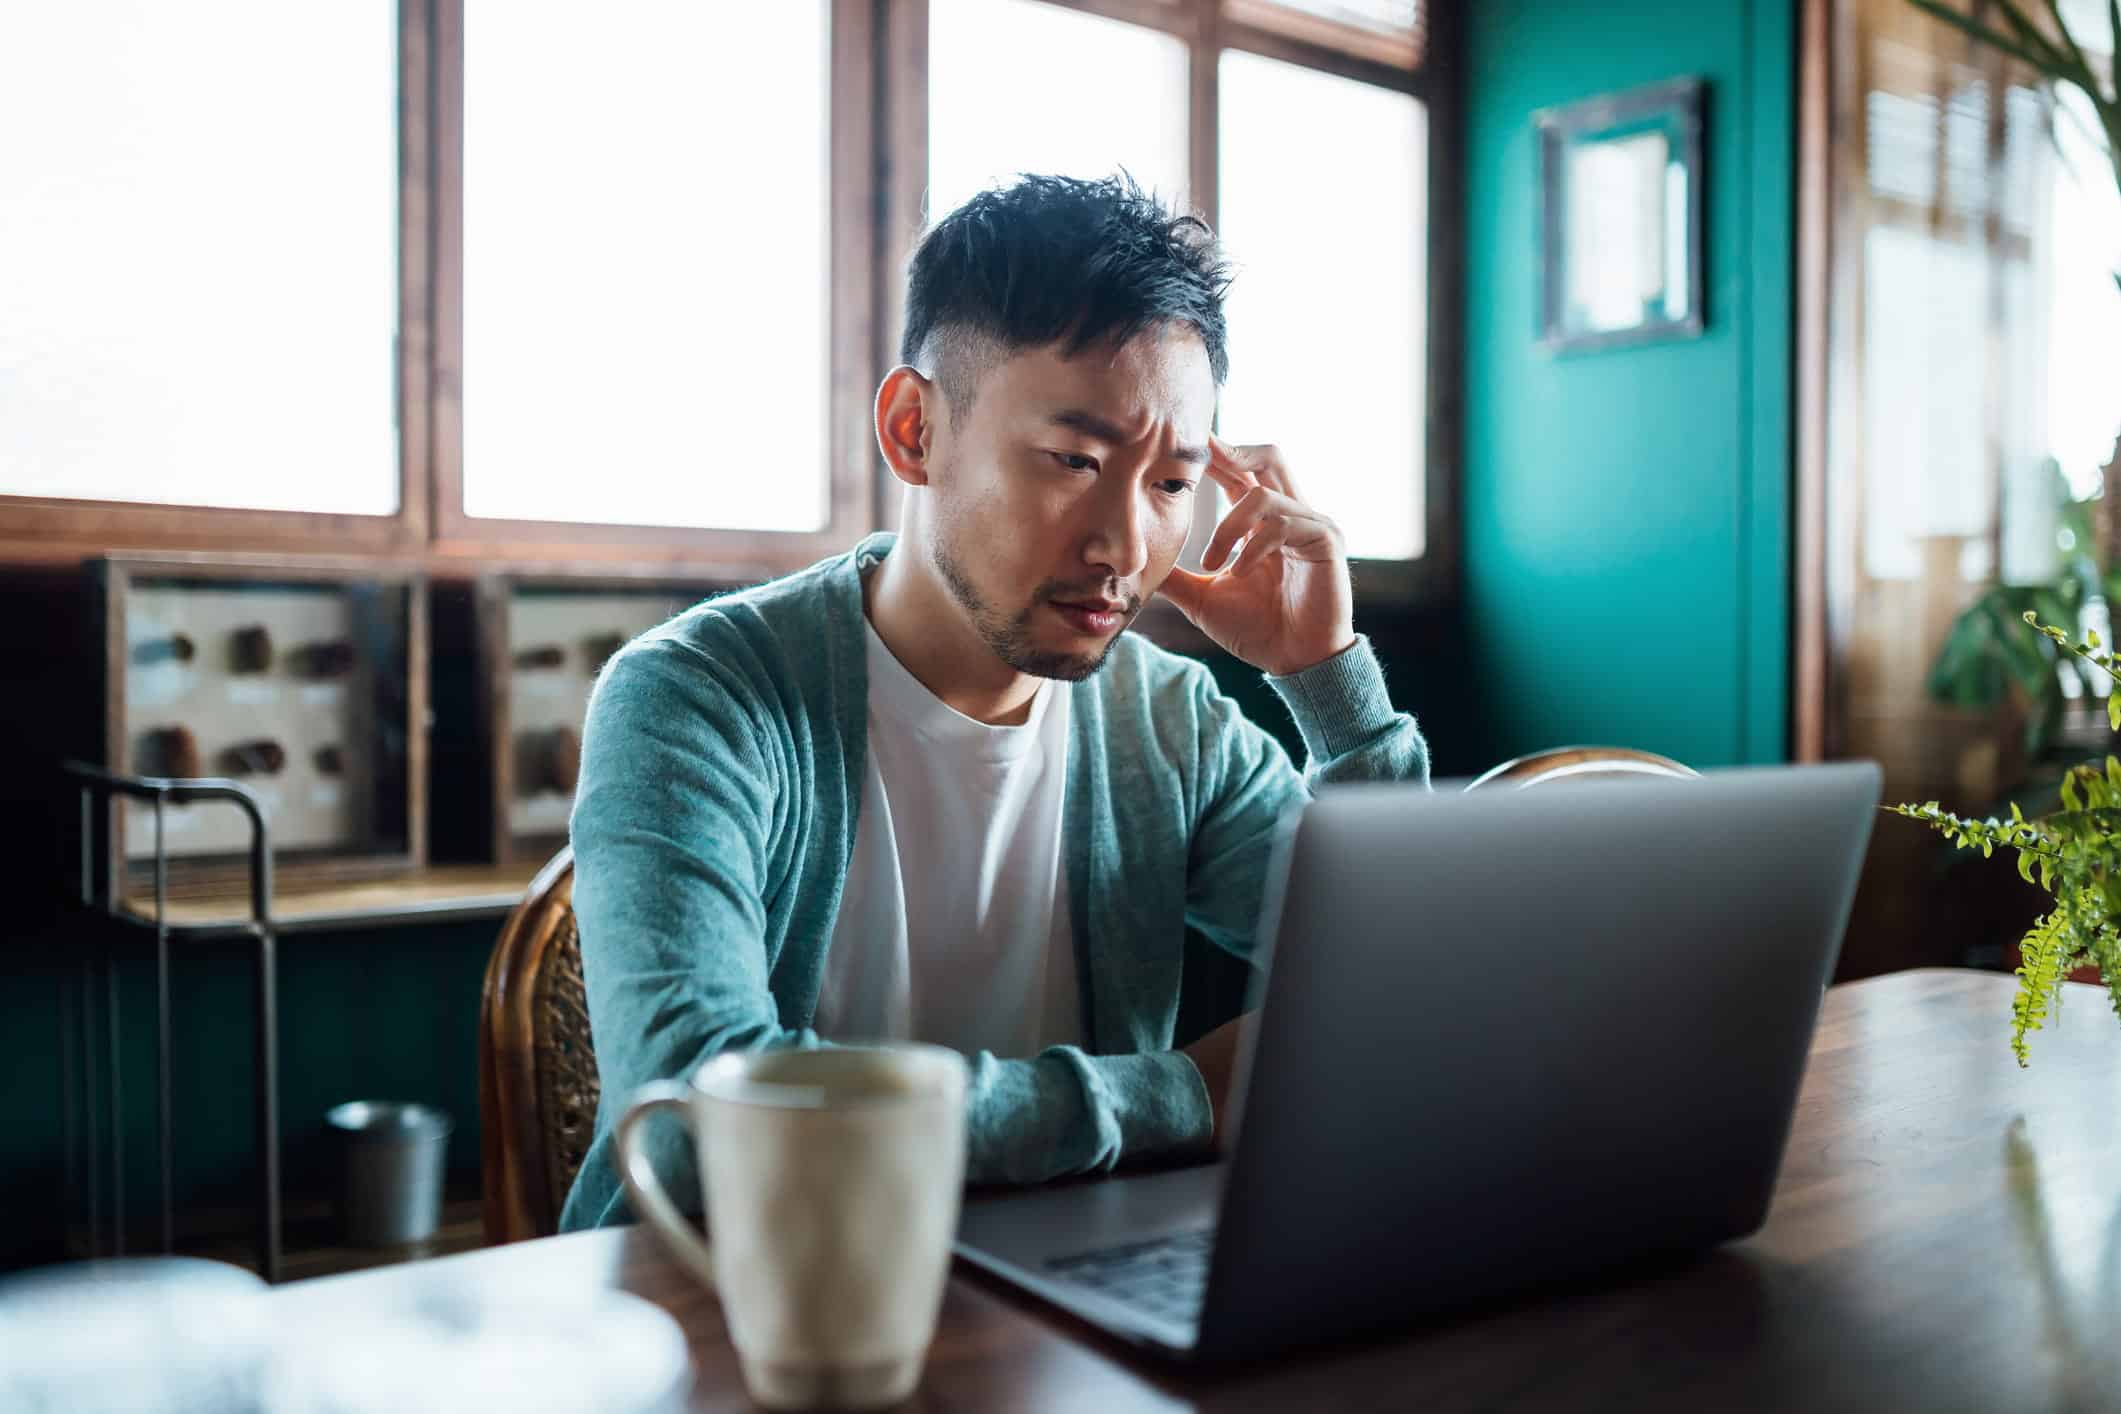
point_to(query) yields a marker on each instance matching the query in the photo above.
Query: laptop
(1509, 1040)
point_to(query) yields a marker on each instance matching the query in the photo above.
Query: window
(1389, 31)
(2083, 304)
(645, 328)
(482, 284)
(654, 298)
(1324, 207)
(199, 263)
(1301, 133)
(987, 122)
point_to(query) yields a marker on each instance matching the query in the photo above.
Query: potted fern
(2074, 854)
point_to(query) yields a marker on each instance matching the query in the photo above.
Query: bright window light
(1325, 215)
(198, 253)
(1102, 95)
(646, 214)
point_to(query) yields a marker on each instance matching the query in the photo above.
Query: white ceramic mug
(832, 1180)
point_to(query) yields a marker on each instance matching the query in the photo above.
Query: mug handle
(645, 1189)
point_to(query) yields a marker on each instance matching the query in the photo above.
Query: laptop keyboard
(1164, 1277)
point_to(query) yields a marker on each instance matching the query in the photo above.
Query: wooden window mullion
(706, 552)
(900, 176)
(1204, 133)
(62, 530)
(1205, 115)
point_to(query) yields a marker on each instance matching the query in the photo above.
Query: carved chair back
(538, 1083)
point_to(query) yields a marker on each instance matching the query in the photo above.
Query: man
(928, 789)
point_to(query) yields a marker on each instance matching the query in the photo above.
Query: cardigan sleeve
(1248, 788)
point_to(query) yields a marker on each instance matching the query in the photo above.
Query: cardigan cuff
(1159, 1101)
(1338, 704)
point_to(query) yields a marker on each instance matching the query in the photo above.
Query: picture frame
(519, 654)
(303, 678)
(1621, 223)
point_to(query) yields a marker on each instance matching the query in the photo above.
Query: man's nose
(1119, 541)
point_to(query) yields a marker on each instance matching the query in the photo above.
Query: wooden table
(1946, 1235)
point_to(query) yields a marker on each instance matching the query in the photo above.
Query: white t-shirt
(953, 927)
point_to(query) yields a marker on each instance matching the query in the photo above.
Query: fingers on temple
(1227, 470)
(1262, 462)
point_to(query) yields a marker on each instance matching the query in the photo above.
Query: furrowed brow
(1091, 425)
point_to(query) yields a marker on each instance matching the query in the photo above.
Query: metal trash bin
(391, 1160)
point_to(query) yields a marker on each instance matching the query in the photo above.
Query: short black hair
(1059, 260)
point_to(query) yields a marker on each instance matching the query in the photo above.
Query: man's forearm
(1065, 1112)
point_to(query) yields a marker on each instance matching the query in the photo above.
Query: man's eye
(1075, 461)
(1176, 486)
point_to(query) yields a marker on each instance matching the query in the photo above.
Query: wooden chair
(537, 1071)
(1580, 763)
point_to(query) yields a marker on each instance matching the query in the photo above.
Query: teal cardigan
(721, 777)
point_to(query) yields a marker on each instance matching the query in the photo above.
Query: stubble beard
(1010, 639)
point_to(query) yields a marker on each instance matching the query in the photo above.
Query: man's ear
(907, 407)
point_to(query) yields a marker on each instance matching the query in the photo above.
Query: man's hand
(1285, 604)
(1215, 1056)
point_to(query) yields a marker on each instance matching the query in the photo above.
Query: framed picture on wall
(302, 677)
(1620, 220)
(517, 656)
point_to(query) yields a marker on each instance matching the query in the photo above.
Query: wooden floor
(311, 1246)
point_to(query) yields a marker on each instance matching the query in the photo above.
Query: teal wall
(383, 1014)
(1627, 522)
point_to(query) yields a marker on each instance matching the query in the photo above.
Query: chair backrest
(1562, 764)
(537, 1071)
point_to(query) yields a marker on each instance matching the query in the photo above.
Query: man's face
(1063, 497)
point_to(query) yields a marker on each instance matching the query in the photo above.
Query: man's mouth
(1094, 616)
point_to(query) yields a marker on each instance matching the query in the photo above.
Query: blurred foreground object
(178, 1335)
(141, 1335)
(458, 1349)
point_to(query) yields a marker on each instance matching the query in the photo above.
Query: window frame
(878, 167)
(1295, 39)
(851, 341)
(47, 529)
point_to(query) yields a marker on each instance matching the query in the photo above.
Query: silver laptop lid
(1517, 1037)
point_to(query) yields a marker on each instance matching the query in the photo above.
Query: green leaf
(1971, 664)
(2040, 956)
(2113, 711)
(1986, 35)
(2025, 866)
(2071, 50)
